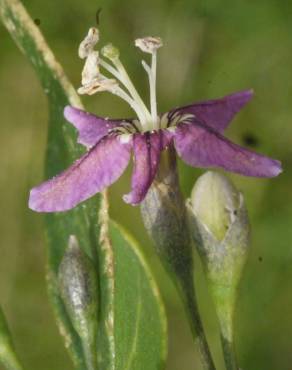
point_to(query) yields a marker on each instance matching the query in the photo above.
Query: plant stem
(90, 356)
(197, 328)
(188, 295)
(229, 354)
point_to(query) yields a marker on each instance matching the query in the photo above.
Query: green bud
(214, 200)
(111, 52)
(220, 227)
(78, 288)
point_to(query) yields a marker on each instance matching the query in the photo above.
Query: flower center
(94, 81)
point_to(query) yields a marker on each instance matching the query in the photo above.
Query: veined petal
(218, 113)
(200, 146)
(90, 127)
(147, 148)
(94, 171)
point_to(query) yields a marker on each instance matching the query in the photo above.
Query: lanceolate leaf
(140, 329)
(61, 151)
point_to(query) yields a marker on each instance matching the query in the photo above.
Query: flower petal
(200, 146)
(90, 127)
(218, 113)
(94, 171)
(147, 148)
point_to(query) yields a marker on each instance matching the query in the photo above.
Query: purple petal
(147, 148)
(94, 171)
(218, 113)
(90, 127)
(200, 146)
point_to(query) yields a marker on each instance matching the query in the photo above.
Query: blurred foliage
(211, 48)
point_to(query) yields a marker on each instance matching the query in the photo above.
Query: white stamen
(149, 44)
(125, 79)
(121, 74)
(90, 69)
(125, 138)
(146, 67)
(93, 81)
(152, 82)
(171, 129)
(152, 85)
(133, 104)
(164, 121)
(87, 45)
(110, 69)
(98, 85)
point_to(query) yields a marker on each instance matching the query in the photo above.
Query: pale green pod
(220, 228)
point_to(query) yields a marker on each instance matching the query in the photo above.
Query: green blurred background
(212, 48)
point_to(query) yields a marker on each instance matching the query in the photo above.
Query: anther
(149, 44)
(89, 42)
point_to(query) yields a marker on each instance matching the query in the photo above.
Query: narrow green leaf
(62, 150)
(8, 357)
(140, 328)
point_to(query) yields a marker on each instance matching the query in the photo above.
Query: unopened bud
(110, 51)
(215, 202)
(220, 227)
(88, 44)
(149, 44)
(78, 288)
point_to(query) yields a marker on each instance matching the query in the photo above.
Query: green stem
(192, 310)
(198, 330)
(229, 354)
(225, 302)
(90, 356)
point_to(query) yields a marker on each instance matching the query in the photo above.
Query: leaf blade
(61, 151)
(140, 329)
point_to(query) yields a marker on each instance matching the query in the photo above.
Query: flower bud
(220, 227)
(111, 52)
(215, 202)
(149, 44)
(78, 288)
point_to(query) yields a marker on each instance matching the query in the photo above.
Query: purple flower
(194, 130)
